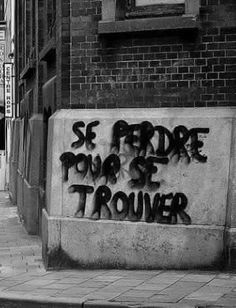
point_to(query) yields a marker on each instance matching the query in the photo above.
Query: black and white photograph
(117, 153)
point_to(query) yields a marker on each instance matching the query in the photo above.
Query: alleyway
(25, 283)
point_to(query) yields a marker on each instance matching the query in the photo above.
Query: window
(147, 15)
(152, 8)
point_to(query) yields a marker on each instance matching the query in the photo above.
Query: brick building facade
(94, 54)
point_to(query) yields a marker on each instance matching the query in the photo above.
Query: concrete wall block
(20, 194)
(13, 182)
(138, 245)
(21, 147)
(93, 203)
(51, 237)
(15, 140)
(55, 131)
(231, 217)
(31, 208)
(35, 154)
(13, 164)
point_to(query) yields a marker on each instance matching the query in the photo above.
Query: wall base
(31, 208)
(70, 242)
(28, 204)
(231, 248)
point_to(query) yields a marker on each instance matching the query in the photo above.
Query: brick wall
(154, 69)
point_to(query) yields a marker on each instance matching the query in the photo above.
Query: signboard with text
(8, 90)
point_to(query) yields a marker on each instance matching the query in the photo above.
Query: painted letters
(139, 150)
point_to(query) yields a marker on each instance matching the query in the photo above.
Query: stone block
(53, 195)
(109, 244)
(20, 194)
(13, 182)
(21, 146)
(31, 208)
(14, 160)
(137, 184)
(50, 238)
(35, 153)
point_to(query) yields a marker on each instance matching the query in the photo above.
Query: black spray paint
(145, 148)
(162, 209)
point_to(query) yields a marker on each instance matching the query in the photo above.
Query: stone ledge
(148, 24)
(131, 245)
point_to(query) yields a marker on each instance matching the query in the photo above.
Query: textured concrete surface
(111, 244)
(204, 184)
(196, 167)
(24, 283)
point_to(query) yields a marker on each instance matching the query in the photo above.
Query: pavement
(24, 282)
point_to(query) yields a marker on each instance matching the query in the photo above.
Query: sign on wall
(2, 59)
(8, 90)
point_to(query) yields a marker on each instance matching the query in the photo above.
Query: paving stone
(142, 294)
(162, 298)
(58, 286)
(93, 284)
(130, 299)
(127, 282)
(72, 280)
(232, 294)
(226, 302)
(198, 277)
(21, 287)
(118, 289)
(152, 286)
(107, 278)
(223, 283)
(39, 282)
(77, 290)
(100, 296)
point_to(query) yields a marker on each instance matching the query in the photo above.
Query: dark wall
(156, 68)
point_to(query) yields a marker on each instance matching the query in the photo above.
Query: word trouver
(161, 209)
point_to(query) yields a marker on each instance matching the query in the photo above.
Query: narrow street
(25, 283)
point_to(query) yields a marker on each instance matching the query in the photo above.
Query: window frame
(114, 18)
(114, 10)
(167, 8)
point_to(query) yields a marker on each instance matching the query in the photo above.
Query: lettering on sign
(8, 90)
(138, 151)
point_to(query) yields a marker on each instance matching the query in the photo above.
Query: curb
(33, 301)
(29, 301)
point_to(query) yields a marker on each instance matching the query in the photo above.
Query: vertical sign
(8, 91)
(2, 59)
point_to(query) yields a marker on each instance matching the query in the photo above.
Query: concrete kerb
(105, 304)
(33, 301)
